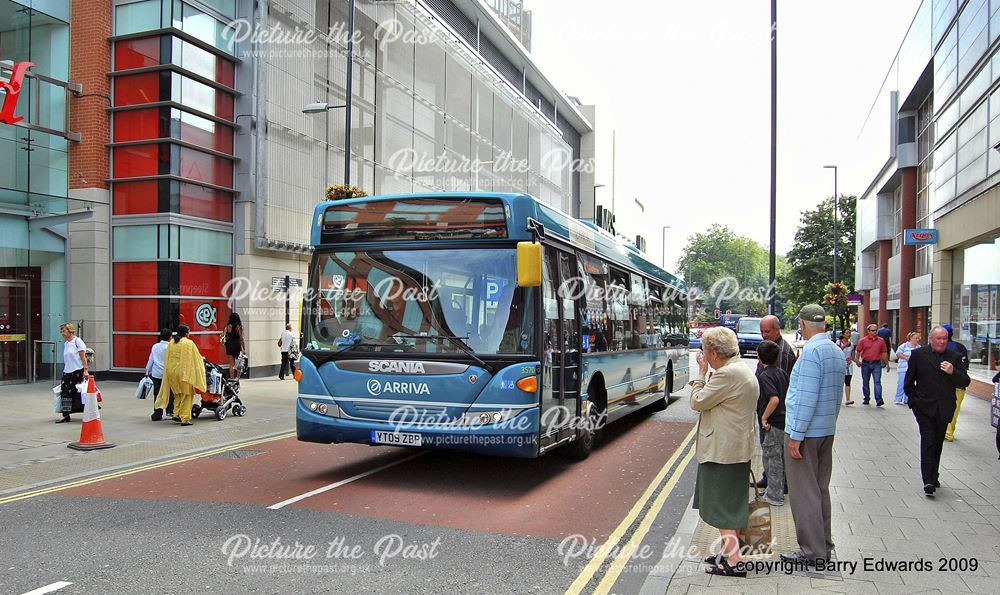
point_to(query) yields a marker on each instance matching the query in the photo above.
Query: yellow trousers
(182, 405)
(949, 434)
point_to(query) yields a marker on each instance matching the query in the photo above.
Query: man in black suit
(931, 379)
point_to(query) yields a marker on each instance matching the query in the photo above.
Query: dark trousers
(285, 364)
(932, 430)
(156, 390)
(809, 486)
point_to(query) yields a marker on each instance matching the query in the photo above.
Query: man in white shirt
(285, 344)
(154, 369)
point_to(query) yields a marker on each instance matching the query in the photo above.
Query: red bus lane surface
(549, 497)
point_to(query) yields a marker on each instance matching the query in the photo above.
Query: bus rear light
(528, 384)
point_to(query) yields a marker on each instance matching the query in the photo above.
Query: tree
(811, 259)
(729, 270)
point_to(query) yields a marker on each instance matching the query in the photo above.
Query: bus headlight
(327, 409)
(483, 418)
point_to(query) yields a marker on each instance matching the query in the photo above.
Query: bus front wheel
(580, 448)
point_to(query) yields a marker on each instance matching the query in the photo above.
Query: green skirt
(720, 494)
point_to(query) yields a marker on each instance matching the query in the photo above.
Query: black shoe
(879, 403)
(929, 489)
(800, 558)
(157, 415)
(63, 420)
(936, 483)
(865, 402)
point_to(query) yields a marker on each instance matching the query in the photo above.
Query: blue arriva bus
(482, 322)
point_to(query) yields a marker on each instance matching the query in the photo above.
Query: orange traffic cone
(91, 434)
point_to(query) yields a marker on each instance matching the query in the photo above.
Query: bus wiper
(455, 341)
(363, 341)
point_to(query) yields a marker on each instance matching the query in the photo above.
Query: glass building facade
(946, 75)
(172, 163)
(33, 187)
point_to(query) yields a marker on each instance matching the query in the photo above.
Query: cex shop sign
(12, 91)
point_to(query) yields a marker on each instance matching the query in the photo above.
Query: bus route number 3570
(396, 438)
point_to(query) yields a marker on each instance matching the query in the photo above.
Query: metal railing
(36, 363)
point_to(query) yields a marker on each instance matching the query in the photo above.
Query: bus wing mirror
(529, 264)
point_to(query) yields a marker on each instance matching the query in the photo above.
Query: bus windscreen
(414, 219)
(420, 301)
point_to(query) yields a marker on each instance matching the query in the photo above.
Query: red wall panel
(134, 314)
(140, 124)
(203, 167)
(135, 278)
(135, 198)
(199, 201)
(204, 279)
(132, 351)
(135, 89)
(137, 53)
(136, 160)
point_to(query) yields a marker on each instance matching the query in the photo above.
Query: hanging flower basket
(342, 191)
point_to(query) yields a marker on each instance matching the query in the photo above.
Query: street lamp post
(663, 256)
(319, 107)
(596, 186)
(836, 240)
(836, 216)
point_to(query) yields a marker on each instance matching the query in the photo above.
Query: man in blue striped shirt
(811, 409)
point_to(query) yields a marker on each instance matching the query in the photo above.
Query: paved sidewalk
(33, 450)
(880, 514)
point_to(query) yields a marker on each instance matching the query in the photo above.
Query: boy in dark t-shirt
(773, 383)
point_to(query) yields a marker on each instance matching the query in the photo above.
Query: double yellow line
(625, 552)
(130, 471)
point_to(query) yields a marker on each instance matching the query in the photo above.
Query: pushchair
(222, 396)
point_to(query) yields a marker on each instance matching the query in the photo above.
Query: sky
(686, 88)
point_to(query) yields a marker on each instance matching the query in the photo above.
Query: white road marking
(337, 484)
(49, 588)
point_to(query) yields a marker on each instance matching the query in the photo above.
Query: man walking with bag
(931, 381)
(811, 409)
(286, 343)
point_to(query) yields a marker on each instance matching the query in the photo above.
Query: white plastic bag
(57, 401)
(144, 388)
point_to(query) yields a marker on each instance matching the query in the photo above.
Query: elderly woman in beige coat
(726, 401)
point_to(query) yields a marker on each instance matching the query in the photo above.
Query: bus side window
(617, 305)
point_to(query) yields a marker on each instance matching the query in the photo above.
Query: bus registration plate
(396, 438)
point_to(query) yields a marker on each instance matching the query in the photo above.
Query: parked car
(748, 335)
(694, 339)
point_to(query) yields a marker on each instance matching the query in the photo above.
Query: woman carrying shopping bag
(183, 372)
(74, 371)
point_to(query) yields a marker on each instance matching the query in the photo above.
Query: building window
(172, 242)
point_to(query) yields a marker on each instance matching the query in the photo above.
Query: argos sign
(917, 237)
(12, 89)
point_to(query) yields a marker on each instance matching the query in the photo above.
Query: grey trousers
(809, 492)
(773, 451)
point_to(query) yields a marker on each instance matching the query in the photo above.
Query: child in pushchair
(222, 395)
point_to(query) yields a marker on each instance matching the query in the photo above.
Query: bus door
(560, 394)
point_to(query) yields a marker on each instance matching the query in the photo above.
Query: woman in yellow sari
(183, 372)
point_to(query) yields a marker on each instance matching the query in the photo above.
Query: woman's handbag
(755, 538)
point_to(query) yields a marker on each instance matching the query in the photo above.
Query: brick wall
(90, 62)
